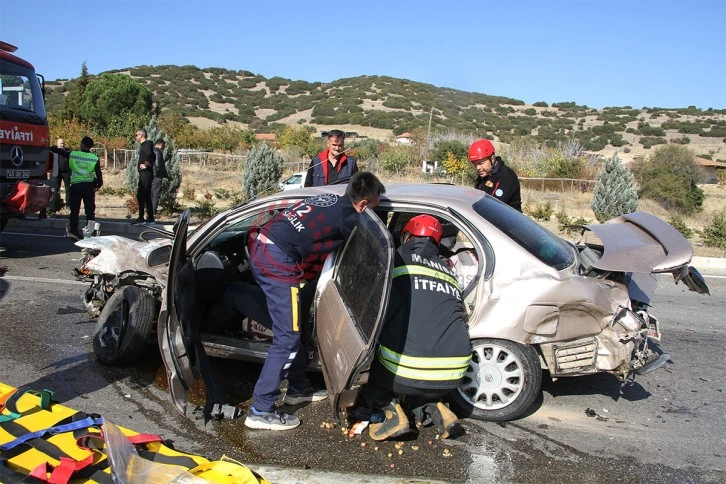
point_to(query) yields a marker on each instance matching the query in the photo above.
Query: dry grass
(205, 180)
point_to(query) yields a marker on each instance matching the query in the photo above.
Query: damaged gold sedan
(533, 300)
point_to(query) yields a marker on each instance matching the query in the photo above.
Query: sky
(599, 53)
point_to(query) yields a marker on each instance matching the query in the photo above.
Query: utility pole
(428, 135)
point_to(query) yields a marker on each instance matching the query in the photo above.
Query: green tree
(113, 96)
(262, 172)
(670, 177)
(456, 165)
(396, 159)
(76, 95)
(615, 192)
(298, 139)
(442, 149)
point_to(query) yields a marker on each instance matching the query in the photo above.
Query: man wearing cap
(494, 177)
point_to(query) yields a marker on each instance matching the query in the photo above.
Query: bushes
(670, 177)
(442, 149)
(540, 212)
(395, 159)
(680, 225)
(715, 234)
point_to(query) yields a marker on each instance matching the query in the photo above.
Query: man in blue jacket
(289, 251)
(332, 164)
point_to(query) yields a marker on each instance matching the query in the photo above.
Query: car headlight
(159, 256)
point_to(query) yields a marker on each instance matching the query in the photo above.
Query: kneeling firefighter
(424, 348)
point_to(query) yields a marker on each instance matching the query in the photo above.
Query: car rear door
(351, 309)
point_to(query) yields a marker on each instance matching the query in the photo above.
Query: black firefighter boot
(445, 420)
(395, 425)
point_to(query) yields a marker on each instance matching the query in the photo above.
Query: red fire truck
(24, 136)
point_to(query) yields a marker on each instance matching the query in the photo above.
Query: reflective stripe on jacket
(424, 342)
(424, 368)
(83, 166)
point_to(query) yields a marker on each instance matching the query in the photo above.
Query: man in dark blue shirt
(288, 251)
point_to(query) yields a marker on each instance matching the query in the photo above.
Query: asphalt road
(666, 426)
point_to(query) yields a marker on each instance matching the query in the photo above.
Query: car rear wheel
(502, 381)
(124, 326)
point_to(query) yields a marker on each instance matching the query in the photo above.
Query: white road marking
(42, 279)
(35, 234)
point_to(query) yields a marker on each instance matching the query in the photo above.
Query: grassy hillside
(381, 107)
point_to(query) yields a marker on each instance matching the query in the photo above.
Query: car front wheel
(502, 381)
(124, 326)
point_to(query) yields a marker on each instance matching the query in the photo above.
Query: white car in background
(296, 180)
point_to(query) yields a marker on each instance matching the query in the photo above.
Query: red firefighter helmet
(480, 149)
(424, 226)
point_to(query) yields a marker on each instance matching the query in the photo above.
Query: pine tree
(615, 192)
(262, 172)
(170, 187)
(76, 95)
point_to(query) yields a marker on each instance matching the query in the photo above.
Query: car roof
(441, 194)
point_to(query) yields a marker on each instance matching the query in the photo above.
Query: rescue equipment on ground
(44, 441)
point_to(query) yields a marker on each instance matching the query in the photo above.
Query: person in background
(63, 177)
(332, 164)
(146, 177)
(494, 177)
(159, 170)
(85, 180)
(424, 349)
(286, 254)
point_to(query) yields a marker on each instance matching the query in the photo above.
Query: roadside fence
(118, 159)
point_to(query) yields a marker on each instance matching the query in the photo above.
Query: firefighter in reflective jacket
(424, 348)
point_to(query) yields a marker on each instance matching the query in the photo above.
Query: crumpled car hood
(119, 254)
(641, 242)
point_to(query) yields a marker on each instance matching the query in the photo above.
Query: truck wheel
(124, 326)
(501, 383)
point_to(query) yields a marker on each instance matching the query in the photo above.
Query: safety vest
(83, 166)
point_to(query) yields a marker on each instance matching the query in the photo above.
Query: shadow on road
(602, 384)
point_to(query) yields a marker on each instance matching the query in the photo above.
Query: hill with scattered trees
(383, 107)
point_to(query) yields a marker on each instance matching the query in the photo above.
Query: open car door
(175, 342)
(178, 332)
(351, 310)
